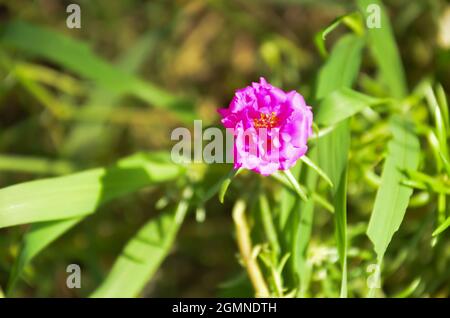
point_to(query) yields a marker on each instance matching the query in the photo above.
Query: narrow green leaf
(39, 236)
(430, 182)
(226, 183)
(392, 197)
(78, 58)
(86, 139)
(391, 194)
(42, 234)
(287, 202)
(142, 255)
(35, 165)
(408, 290)
(442, 101)
(340, 208)
(436, 111)
(340, 70)
(351, 20)
(333, 155)
(342, 66)
(384, 50)
(442, 227)
(342, 104)
(293, 181)
(301, 222)
(81, 193)
(267, 221)
(445, 162)
(316, 168)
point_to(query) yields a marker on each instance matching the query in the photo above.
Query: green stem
(246, 250)
(373, 289)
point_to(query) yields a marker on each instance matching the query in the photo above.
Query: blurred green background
(192, 55)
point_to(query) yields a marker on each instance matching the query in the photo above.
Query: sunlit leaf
(392, 197)
(342, 104)
(442, 227)
(142, 255)
(38, 237)
(81, 193)
(384, 50)
(226, 183)
(339, 71)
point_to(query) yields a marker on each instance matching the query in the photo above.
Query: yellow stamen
(266, 120)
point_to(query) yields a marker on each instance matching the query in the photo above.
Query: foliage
(372, 191)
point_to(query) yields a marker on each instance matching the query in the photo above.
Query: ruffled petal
(289, 125)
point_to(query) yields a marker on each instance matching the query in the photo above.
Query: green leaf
(429, 182)
(268, 225)
(35, 165)
(39, 236)
(301, 222)
(316, 168)
(445, 162)
(342, 66)
(442, 101)
(442, 227)
(408, 290)
(87, 139)
(392, 197)
(436, 111)
(295, 185)
(343, 103)
(142, 255)
(226, 183)
(333, 151)
(79, 58)
(288, 200)
(352, 20)
(81, 193)
(141, 170)
(384, 50)
(340, 70)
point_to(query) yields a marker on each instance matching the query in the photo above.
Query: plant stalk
(246, 250)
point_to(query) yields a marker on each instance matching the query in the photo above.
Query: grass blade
(316, 168)
(226, 183)
(385, 51)
(392, 197)
(342, 104)
(81, 193)
(39, 236)
(35, 165)
(442, 227)
(42, 234)
(268, 225)
(88, 139)
(293, 181)
(78, 58)
(340, 71)
(142, 255)
(342, 66)
(301, 222)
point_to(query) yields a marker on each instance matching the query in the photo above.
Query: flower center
(266, 120)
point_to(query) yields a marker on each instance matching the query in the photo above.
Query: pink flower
(270, 127)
